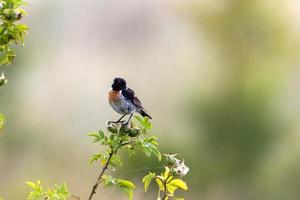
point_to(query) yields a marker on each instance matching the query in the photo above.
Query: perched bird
(124, 101)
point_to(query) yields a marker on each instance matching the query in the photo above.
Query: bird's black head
(119, 84)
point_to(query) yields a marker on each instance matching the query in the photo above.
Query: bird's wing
(141, 109)
(137, 103)
(128, 94)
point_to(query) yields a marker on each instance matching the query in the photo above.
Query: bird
(123, 100)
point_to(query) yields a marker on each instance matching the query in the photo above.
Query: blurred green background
(220, 78)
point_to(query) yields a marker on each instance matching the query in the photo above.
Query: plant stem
(165, 188)
(100, 176)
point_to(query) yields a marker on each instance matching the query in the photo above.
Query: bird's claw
(116, 122)
(125, 124)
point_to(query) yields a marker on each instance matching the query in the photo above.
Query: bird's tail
(144, 113)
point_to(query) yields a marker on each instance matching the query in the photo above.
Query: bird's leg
(119, 120)
(128, 120)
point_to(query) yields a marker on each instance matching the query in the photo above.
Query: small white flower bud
(3, 80)
(181, 169)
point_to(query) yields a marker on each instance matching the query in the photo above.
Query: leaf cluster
(59, 192)
(121, 136)
(127, 137)
(11, 33)
(168, 181)
(125, 186)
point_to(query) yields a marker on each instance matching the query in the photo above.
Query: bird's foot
(116, 122)
(125, 124)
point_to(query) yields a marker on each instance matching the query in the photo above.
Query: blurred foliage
(59, 192)
(2, 121)
(10, 32)
(234, 117)
(238, 122)
(237, 133)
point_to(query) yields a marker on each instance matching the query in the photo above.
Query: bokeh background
(220, 78)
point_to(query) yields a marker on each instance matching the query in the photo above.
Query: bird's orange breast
(114, 96)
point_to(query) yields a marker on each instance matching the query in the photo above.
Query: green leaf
(93, 134)
(109, 181)
(179, 184)
(101, 134)
(139, 119)
(130, 150)
(159, 180)
(37, 192)
(31, 184)
(4, 60)
(103, 160)
(2, 121)
(98, 137)
(156, 152)
(144, 122)
(59, 192)
(127, 191)
(126, 187)
(147, 123)
(166, 173)
(126, 183)
(147, 180)
(115, 161)
(149, 146)
(95, 157)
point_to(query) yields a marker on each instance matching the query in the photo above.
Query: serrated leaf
(166, 173)
(103, 160)
(95, 157)
(147, 180)
(4, 59)
(156, 152)
(93, 134)
(126, 183)
(127, 187)
(98, 137)
(130, 151)
(127, 191)
(101, 134)
(159, 180)
(115, 161)
(179, 183)
(139, 119)
(147, 123)
(31, 184)
(2, 121)
(109, 181)
(149, 147)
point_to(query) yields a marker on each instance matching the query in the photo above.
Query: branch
(75, 197)
(165, 188)
(100, 176)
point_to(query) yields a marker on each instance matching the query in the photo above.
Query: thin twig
(165, 187)
(75, 197)
(100, 176)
